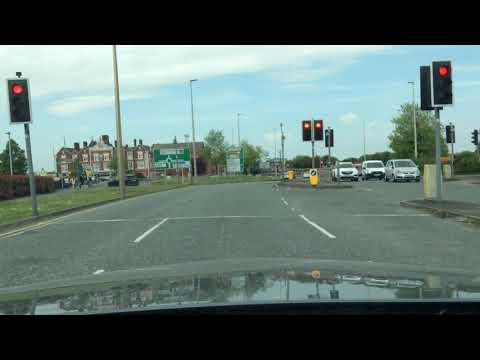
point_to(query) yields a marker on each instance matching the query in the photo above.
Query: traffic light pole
(328, 143)
(31, 176)
(313, 146)
(438, 169)
(283, 152)
(452, 134)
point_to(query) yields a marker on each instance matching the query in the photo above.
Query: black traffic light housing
(442, 85)
(318, 130)
(475, 137)
(450, 134)
(329, 138)
(307, 130)
(19, 101)
(425, 89)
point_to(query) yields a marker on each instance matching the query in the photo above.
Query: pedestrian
(72, 181)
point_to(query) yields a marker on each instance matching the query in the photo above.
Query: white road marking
(293, 209)
(98, 272)
(389, 215)
(218, 217)
(105, 221)
(318, 227)
(285, 202)
(365, 189)
(149, 231)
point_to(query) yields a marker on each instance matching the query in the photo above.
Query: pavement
(243, 221)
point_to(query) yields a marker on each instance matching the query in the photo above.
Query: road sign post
(313, 177)
(438, 170)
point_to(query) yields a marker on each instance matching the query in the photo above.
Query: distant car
(347, 171)
(401, 170)
(373, 169)
(130, 180)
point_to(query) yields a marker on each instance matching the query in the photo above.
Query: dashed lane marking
(389, 215)
(318, 227)
(149, 231)
(284, 201)
(99, 271)
(219, 217)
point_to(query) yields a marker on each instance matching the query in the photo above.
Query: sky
(72, 92)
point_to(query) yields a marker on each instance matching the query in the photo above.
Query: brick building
(97, 155)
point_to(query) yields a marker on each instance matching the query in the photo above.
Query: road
(241, 221)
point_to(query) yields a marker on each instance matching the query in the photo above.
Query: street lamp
(414, 119)
(238, 128)
(190, 157)
(193, 134)
(10, 153)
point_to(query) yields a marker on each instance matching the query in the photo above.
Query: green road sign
(167, 158)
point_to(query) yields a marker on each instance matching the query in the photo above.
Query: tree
(402, 141)
(215, 148)
(114, 163)
(18, 159)
(253, 156)
(351, 159)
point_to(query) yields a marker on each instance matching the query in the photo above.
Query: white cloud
(348, 118)
(83, 70)
(74, 105)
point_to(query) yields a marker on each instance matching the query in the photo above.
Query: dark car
(130, 180)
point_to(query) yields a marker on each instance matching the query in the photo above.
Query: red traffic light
(17, 89)
(318, 125)
(443, 70)
(306, 125)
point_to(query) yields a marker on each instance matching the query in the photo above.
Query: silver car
(401, 170)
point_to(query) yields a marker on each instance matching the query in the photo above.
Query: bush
(18, 185)
(466, 162)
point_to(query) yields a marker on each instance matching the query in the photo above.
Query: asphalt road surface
(210, 222)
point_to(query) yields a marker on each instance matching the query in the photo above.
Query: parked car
(347, 171)
(401, 170)
(373, 169)
(130, 180)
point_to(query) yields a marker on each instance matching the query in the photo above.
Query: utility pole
(118, 124)
(283, 150)
(193, 134)
(414, 119)
(10, 153)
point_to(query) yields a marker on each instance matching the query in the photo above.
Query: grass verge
(21, 209)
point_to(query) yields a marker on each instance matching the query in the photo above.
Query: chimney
(140, 142)
(76, 146)
(116, 143)
(105, 139)
(85, 144)
(134, 142)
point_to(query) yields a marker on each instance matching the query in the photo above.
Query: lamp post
(193, 133)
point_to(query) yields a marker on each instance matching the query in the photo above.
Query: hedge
(18, 185)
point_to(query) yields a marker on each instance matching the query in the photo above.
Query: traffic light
(441, 75)
(450, 134)
(475, 137)
(307, 130)
(19, 101)
(329, 138)
(318, 130)
(425, 89)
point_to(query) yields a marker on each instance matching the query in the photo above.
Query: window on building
(64, 168)
(130, 165)
(63, 156)
(97, 157)
(141, 164)
(74, 156)
(106, 157)
(85, 157)
(130, 155)
(140, 155)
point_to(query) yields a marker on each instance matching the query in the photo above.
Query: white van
(373, 169)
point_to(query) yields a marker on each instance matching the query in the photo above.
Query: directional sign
(313, 172)
(167, 158)
(313, 177)
(235, 161)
